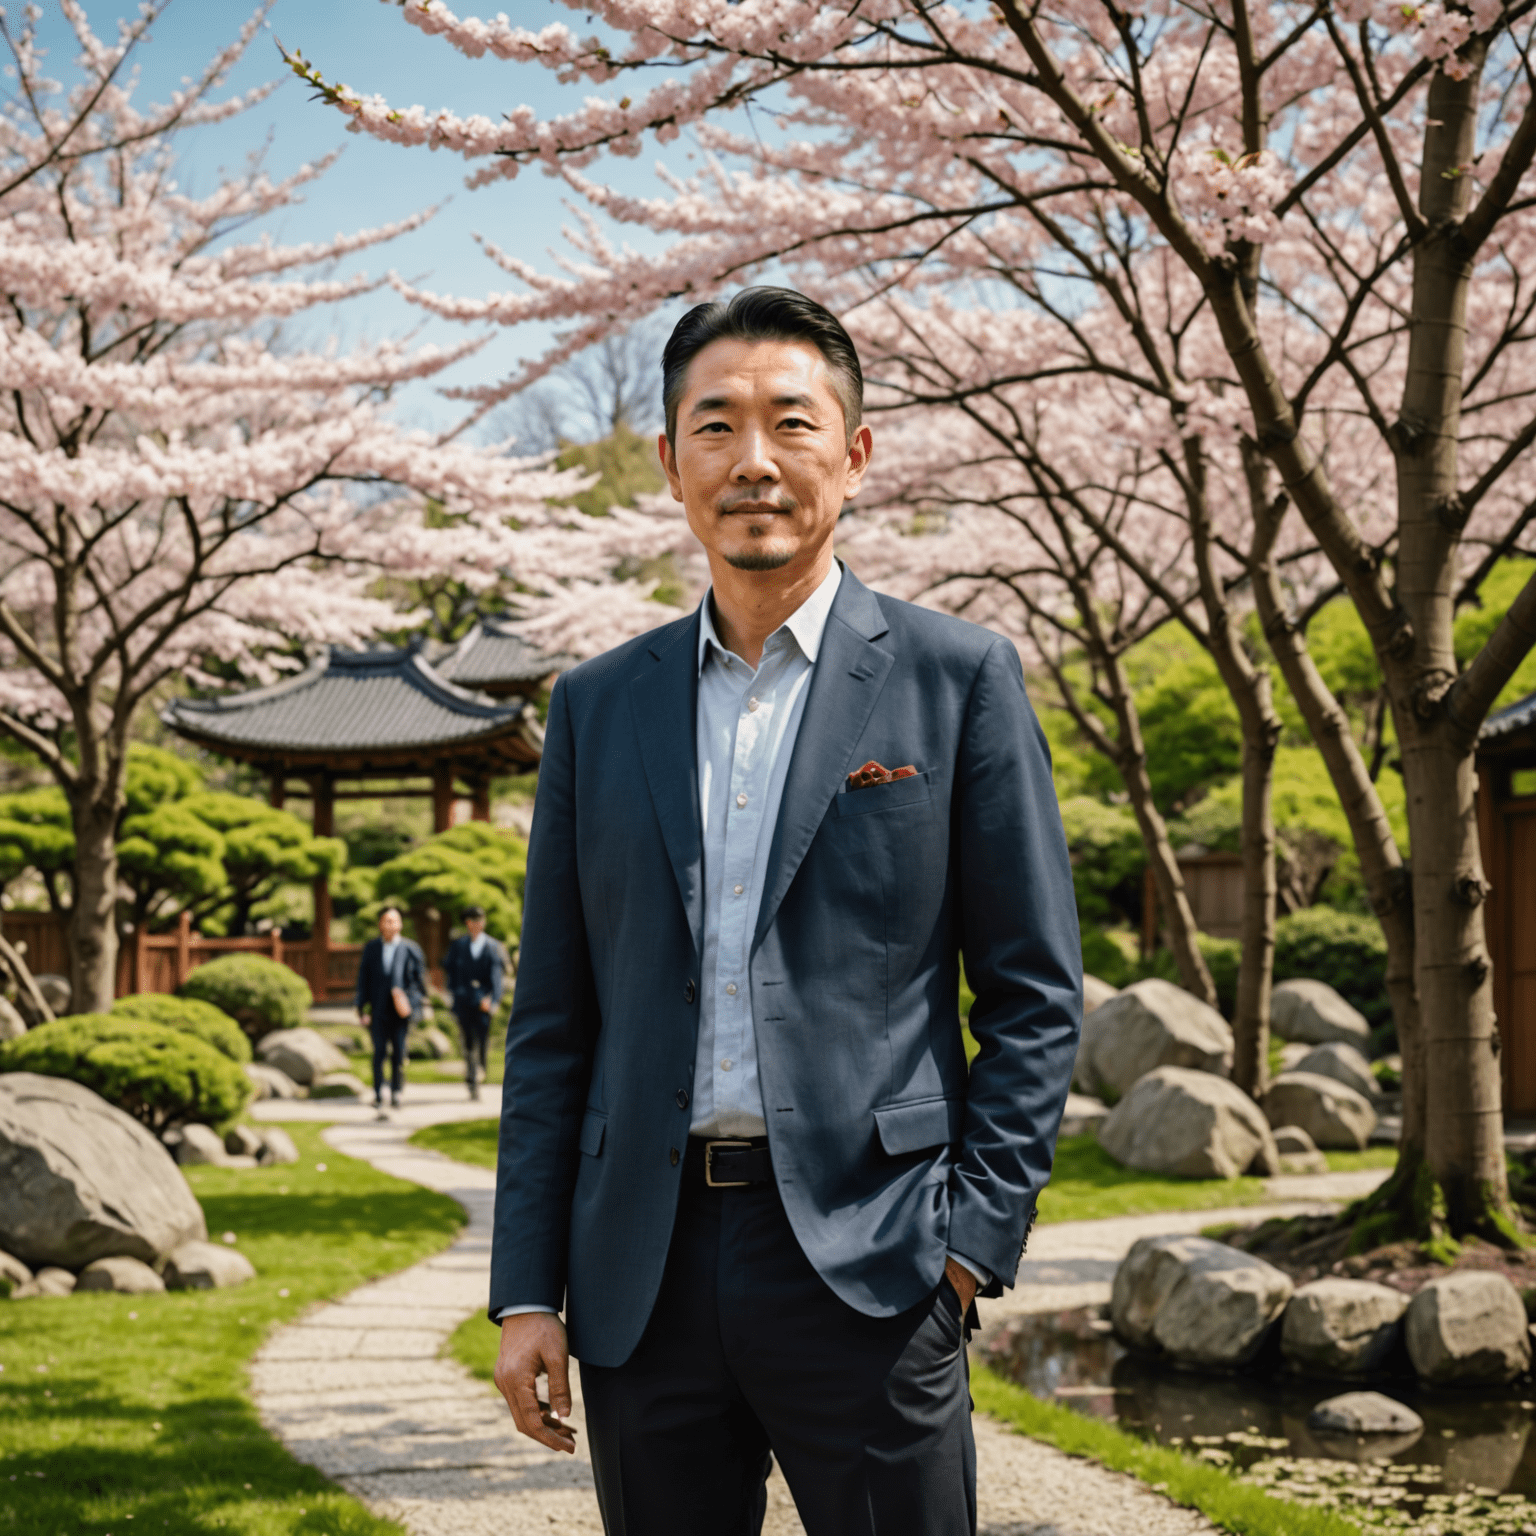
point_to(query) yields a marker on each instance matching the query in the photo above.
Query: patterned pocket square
(872, 773)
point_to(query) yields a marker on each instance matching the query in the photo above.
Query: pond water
(1476, 1443)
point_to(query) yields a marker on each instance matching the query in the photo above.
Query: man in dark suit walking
(475, 972)
(740, 1147)
(391, 988)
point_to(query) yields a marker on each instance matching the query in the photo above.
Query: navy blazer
(470, 978)
(886, 1151)
(374, 986)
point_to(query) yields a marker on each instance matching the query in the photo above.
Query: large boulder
(277, 1146)
(1364, 1413)
(1336, 1327)
(80, 1180)
(1329, 1111)
(206, 1267)
(1200, 1303)
(55, 992)
(1298, 1152)
(338, 1085)
(1082, 1115)
(1096, 993)
(1193, 1124)
(304, 1054)
(1151, 1024)
(12, 1025)
(270, 1083)
(242, 1141)
(200, 1146)
(131, 1277)
(1344, 1064)
(12, 1273)
(1311, 1011)
(1468, 1329)
(48, 1281)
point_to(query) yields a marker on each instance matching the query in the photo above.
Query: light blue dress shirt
(746, 725)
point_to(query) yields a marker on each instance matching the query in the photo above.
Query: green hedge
(192, 1017)
(1345, 949)
(260, 994)
(160, 1076)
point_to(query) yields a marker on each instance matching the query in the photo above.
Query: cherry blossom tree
(1342, 190)
(177, 485)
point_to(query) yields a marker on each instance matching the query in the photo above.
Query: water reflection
(1478, 1440)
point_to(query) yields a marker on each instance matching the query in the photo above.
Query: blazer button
(682, 1098)
(688, 992)
(674, 1157)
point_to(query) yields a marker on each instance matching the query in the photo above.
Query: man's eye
(714, 426)
(794, 421)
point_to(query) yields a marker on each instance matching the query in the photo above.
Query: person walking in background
(740, 1147)
(391, 988)
(476, 974)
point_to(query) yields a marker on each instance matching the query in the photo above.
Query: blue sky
(367, 45)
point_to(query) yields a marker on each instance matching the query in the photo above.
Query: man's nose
(755, 462)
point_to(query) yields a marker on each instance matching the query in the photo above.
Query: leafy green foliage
(258, 993)
(1474, 626)
(160, 1076)
(1190, 728)
(1345, 949)
(1107, 859)
(192, 1017)
(474, 864)
(169, 858)
(36, 833)
(625, 464)
(167, 1433)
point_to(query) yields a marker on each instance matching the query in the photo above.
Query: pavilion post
(324, 800)
(481, 804)
(277, 790)
(442, 797)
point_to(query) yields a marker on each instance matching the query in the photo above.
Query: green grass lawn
(1086, 1184)
(130, 1415)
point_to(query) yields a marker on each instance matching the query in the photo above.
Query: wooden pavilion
(1506, 828)
(358, 725)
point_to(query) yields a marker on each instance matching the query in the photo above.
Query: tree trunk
(1173, 899)
(1465, 1127)
(1386, 877)
(93, 921)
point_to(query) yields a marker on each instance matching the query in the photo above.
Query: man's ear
(860, 450)
(668, 456)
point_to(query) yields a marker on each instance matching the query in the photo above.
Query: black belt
(728, 1162)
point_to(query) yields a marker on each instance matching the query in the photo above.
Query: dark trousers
(389, 1037)
(748, 1354)
(475, 1031)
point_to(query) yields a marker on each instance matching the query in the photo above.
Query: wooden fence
(160, 962)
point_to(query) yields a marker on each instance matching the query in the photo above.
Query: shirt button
(730, 988)
(682, 1098)
(738, 889)
(725, 1066)
(751, 704)
(741, 800)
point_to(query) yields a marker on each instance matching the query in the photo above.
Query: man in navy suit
(391, 988)
(474, 971)
(740, 1147)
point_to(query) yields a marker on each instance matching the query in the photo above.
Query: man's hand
(485, 1005)
(958, 1276)
(362, 1017)
(533, 1345)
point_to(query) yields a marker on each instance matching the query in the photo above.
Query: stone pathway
(358, 1387)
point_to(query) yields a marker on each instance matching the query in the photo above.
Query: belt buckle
(710, 1148)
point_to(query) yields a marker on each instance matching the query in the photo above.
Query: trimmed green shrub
(1345, 949)
(258, 993)
(161, 1076)
(190, 1015)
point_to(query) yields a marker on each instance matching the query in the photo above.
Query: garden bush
(1345, 949)
(161, 1076)
(190, 1015)
(259, 994)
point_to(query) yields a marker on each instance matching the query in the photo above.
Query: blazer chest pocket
(883, 797)
(919, 1125)
(594, 1125)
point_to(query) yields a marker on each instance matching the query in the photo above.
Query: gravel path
(358, 1387)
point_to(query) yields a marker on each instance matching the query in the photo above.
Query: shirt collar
(808, 623)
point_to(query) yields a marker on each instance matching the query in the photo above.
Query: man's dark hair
(764, 314)
(470, 912)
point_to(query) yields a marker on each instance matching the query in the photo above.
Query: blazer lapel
(665, 703)
(850, 672)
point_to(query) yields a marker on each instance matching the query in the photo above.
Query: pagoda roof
(385, 710)
(1512, 720)
(494, 657)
